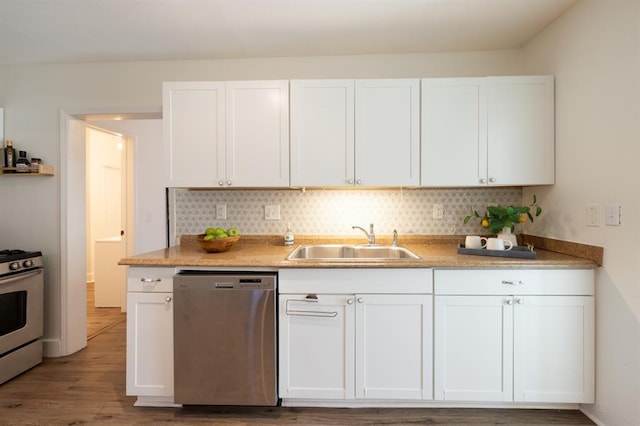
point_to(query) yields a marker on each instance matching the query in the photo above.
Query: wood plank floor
(100, 319)
(88, 387)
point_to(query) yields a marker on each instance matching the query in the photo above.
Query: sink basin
(349, 252)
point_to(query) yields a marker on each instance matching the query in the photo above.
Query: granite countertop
(435, 251)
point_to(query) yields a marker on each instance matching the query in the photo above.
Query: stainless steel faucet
(370, 234)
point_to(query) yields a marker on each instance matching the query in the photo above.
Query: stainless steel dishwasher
(224, 338)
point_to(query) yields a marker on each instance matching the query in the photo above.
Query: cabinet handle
(300, 313)
(360, 300)
(150, 280)
(167, 299)
(508, 282)
(349, 301)
(509, 301)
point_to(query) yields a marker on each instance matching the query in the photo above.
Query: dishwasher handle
(302, 313)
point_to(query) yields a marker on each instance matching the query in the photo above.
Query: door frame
(73, 322)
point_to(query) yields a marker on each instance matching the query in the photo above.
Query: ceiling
(53, 31)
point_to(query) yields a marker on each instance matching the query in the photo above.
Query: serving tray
(520, 252)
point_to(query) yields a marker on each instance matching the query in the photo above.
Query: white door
(473, 343)
(554, 349)
(520, 130)
(194, 133)
(387, 132)
(150, 344)
(257, 133)
(316, 344)
(322, 132)
(454, 132)
(393, 346)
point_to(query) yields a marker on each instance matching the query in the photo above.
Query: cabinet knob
(360, 300)
(483, 180)
(350, 181)
(519, 301)
(492, 179)
(509, 301)
(229, 182)
(167, 299)
(221, 183)
(349, 301)
(359, 181)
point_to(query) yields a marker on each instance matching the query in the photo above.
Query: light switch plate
(221, 211)
(612, 214)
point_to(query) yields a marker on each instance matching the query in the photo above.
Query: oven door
(21, 309)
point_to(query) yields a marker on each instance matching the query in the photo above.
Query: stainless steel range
(21, 311)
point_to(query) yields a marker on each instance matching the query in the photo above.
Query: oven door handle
(19, 277)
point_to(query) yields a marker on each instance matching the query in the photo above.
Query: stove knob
(27, 263)
(14, 266)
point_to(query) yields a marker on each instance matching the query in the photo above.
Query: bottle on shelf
(9, 154)
(22, 163)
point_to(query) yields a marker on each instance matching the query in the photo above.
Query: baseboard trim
(52, 348)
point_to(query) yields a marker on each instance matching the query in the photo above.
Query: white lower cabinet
(150, 332)
(356, 345)
(516, 335)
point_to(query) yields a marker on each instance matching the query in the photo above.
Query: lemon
(522, 219)
(485, 223)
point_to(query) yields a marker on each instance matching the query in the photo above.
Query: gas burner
(11, 252)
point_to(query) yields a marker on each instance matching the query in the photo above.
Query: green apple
(209, 231)
(232, 232)
(209, 237)
(221, 235)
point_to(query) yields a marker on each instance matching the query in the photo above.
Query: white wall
(594, 52)
(33, 96)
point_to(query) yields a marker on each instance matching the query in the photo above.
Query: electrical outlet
(221, 211)
(272, 212)
(593, 214)
(438, 211)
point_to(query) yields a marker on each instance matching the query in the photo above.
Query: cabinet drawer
(515, 281)
(150, 279)
(356, 280)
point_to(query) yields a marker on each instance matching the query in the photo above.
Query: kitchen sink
(327, 252)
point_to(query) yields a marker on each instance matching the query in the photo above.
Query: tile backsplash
(335, 211)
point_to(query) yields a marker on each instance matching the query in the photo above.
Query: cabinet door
(393, 346)
(194, 133)
(454, 132)
(387, 132)
(520, 130)
(257, 133)
(473, 342)
(316, 343)
(322, 132)
(554, 349)
(150, 344)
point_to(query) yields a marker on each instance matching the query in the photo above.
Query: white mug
(499, 244)
(475, 242)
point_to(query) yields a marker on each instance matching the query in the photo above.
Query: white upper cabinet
(322, 132)
(488, 131)
(355, 133)
(194, 133)
(233, 134)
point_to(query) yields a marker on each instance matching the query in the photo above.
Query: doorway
(107, 205)
(73, 278)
